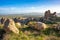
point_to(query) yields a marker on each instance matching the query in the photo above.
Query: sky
(28, 6)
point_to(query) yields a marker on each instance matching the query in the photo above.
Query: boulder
(9, 25)
(18, 24)
(3, 20)
(38, 25)
(56, 26)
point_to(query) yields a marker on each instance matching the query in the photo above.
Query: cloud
(41, 9)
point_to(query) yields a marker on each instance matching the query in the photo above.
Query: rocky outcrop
(9, 25)
(56, 26)
(3, 20)
(18, 25)
(50, 16)
(38, 25)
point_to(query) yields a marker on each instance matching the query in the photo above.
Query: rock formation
(50, 16)
(3, 20)
(9, 25)
(38, 25)
(18, 25)
(56, 26)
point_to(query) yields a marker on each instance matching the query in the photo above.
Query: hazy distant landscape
(27, 14)
(28, 26)
(29, 19)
